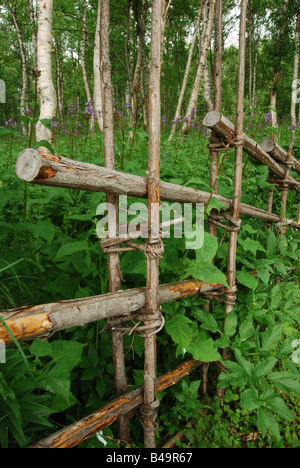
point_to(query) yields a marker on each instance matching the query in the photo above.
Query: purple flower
(292, 127)
(186, 118)
(193, 110)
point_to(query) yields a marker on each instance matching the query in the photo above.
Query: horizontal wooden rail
(56, 171)
(278, 153)
(81, 430)
(224, 127)
(28, 323)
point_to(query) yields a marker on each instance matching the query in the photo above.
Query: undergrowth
(50, 251)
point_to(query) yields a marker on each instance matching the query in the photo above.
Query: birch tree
(98, 103)
(46, 91)
(83, 64)
(205, 42)
(296, 73)
(12, 8)
(187, 71)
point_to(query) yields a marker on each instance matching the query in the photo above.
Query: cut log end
(28, 165)
(268, 145)
(212, 118)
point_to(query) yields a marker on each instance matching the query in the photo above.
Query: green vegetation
(49, 251)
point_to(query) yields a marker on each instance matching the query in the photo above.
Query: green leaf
(247, 279)
(207, 319)
(69, 249)
(246, 365)
(246, 329)
(286, 382)
(46, 123)
(251, 245)
(271, 243)
(207, 272)
(271, 337)
(204, 349)
(230, 324)
(278, 405)
(208, 250)
(180, 330)
(271, 423)
(250, 400)
(46, 144)
(264, 367)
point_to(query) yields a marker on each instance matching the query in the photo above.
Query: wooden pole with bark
(40, 168)
(114, 268)
(42, 321)
(83, 65)
(153, 242)
(225, 128)
(73, 435)
(238, 174)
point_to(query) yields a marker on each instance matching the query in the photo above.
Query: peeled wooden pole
(238, 165)
(41, 168)
(114, 268)
(278, 153)
(79, 431)
(224, 127)
(149, 407)
(42, 321)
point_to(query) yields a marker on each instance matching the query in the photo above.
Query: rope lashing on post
(229, 293)
(152, 249)
(142, 315)
(235, 225)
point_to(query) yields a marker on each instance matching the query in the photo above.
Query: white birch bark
(23, 99)
(98, 102)
(187, 71)
(296, 72)
(83, 65)
(34, 35)
(46, 91)
(206, 37)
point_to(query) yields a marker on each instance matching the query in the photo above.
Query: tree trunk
(187, 71)
(296, 73)
(46, 89)
(114, 268)
(23, 100)
(33, 36)
(148, 409)
(207, 88)
(206, 37)
(98, 102)
(59, 82)
(83, 66)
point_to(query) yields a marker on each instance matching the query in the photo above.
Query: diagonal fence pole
(154, 244)
(114, 269)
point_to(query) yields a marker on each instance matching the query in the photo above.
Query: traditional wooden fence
(143, 305)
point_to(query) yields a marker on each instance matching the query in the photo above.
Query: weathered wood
(29, 323)
(149, 407)
(278, 153)
(56, 171)
(114, 267)
(224, 127)
(76, 433)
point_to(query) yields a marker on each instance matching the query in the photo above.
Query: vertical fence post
(114, 268)
(238, 156)
(149, 407)
(238, 167)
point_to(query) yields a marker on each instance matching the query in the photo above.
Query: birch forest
(120, 122)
